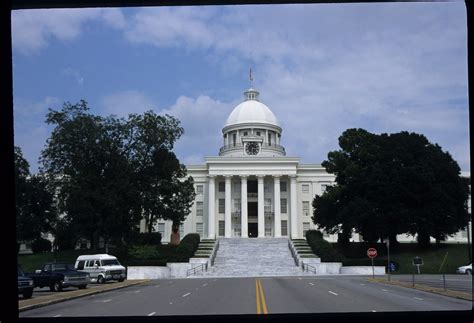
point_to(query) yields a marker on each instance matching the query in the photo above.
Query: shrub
(143, 252)
(41, 245)
(144, 238)
(322, 248)
(187, 246)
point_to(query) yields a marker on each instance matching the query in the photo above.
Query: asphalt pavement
(223, 296)
(461, 283)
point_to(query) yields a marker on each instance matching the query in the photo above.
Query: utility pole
(388, 258)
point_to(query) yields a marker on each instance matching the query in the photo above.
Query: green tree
(159, 175)
(35, 208)
(86, 161)
(392, 184)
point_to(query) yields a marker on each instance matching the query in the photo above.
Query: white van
(101, 268)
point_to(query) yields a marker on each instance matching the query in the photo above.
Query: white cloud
(123, 103)
(202, 119)
(30, 130)
(76, 75)
(33, 29)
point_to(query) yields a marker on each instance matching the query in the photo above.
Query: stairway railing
(213, 256)
(308, 267)
(292, 252)
(197, 269)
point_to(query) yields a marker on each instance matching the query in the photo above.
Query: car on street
(57, 276)
(101, 267)
(25, 285)
(465, 270)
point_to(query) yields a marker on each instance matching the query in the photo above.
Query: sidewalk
(35, 302)
(426, 288)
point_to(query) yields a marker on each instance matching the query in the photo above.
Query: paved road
(461, 283)
(251, 296)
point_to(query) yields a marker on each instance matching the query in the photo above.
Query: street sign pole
(373, 273)
(388, 258)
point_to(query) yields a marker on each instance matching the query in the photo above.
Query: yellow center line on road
(260, 298)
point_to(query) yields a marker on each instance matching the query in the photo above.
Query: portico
(257, 211)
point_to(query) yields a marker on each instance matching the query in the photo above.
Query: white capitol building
(252, 189)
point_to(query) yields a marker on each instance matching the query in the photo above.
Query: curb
(426, 288)
(70, 297)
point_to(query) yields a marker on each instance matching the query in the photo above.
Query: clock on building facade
(252, 148)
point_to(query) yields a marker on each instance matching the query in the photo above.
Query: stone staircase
(253, 257)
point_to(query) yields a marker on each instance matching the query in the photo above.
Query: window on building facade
(234, 139)
(199, 208)
(221, 228)
(283, 206)
(305, 208)
(237, 187)
(305, 228)
(221, 186)
(199, 189)
(269, 138)
(282, 186)
(305, 188)
(181, 230)
(258, 133)
(161, 229)
(199, 228)
(221, 206)
(266, 188)
(246, 133)
(323, 188)
(268, 205)
(237, 205)
(268, 230)
(284, 227)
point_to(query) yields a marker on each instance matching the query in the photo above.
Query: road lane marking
(311, 284)
(151, 314)
(257, 297)
(332, 292)
(204, 284)
(385, 290)
(260, 298)
(362, 284)
(418, 298)
(106, 300)
(186, 294)
(157, 285)
(57, 315)
(300, 278)
(374, 311)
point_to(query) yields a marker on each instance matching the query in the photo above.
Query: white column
(211, 226)
(293, 208)
(277, 218)
(261, 208)
(227, 216)
(243, 209)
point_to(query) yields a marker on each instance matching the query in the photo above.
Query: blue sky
(320, 68)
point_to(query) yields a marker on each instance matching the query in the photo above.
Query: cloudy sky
(320, 68)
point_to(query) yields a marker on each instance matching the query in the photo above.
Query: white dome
(251, 111)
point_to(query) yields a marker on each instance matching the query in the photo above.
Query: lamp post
(388, 257)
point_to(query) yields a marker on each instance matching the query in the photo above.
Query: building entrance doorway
(253, 230)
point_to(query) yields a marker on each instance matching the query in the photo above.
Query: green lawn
(29, 263)
(432, 257)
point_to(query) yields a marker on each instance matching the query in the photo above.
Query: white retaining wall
(147, 272)
(178, 269)
(362, 270)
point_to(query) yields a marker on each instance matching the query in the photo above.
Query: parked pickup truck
(57, 276)
(25, 285)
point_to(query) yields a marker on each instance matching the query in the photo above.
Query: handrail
(292, 253)
(308, 266)
(196, 269)
(213, 256)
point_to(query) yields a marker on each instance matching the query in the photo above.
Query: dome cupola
(251, 130)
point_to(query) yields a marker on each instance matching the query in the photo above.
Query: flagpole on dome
(250, 78)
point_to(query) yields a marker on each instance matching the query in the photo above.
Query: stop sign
(372, 252)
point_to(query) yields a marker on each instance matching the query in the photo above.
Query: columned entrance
(253, 230)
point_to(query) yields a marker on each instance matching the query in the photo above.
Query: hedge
(41, 245)
(322, 248)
